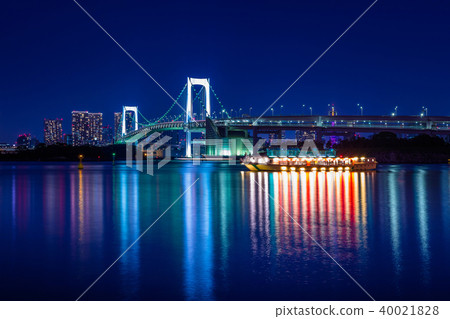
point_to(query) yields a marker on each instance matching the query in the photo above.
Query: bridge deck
(439, 125)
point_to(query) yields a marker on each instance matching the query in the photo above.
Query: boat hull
(302, 168)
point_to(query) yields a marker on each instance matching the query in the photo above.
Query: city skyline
(100, 76)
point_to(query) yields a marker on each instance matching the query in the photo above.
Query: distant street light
(80, 165)
(395, 110)
(310, 109)
(281, 109)
(250, 111)
(271, 110)
(425, 110)
(240, 109)
(361, 109)
(231, 112)
(223, 111)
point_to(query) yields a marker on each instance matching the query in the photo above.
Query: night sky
(54, 59)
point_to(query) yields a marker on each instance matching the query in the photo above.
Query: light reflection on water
(229, 238)
(331, 207)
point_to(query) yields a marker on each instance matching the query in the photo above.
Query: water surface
(232, 236)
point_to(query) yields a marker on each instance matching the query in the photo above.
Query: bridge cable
(218, 100)
(173, 104)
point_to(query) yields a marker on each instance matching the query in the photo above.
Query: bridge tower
(189, 107)
(124, 123)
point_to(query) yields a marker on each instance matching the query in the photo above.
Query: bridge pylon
(189, 107)
(126, 109)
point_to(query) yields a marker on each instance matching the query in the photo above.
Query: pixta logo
(144, 154)
(146, 151)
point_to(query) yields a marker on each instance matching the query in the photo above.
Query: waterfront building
(24, 141)
(87, 128)
(53, 131)
(117, 125)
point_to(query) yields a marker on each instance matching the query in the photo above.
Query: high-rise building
(96, 128)
(117, 125)
(53, 131)
(87, 128)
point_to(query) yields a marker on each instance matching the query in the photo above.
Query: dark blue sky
(54, 59)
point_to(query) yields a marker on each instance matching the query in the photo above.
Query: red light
(340, 156)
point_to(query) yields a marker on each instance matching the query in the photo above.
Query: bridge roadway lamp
(114, 158)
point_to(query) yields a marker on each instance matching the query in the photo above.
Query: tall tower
(53, 131)
(117, 125)
(87, 128)
(189, 107)
(95, 128)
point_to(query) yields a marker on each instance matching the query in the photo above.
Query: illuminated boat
(304, 163)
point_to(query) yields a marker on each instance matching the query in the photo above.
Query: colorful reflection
(198, 242)
(330, 206)
(231, 237)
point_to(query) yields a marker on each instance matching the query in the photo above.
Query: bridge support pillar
(188, 144)
(189, 108)
(255, 136)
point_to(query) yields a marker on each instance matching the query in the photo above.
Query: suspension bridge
(220, 124)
